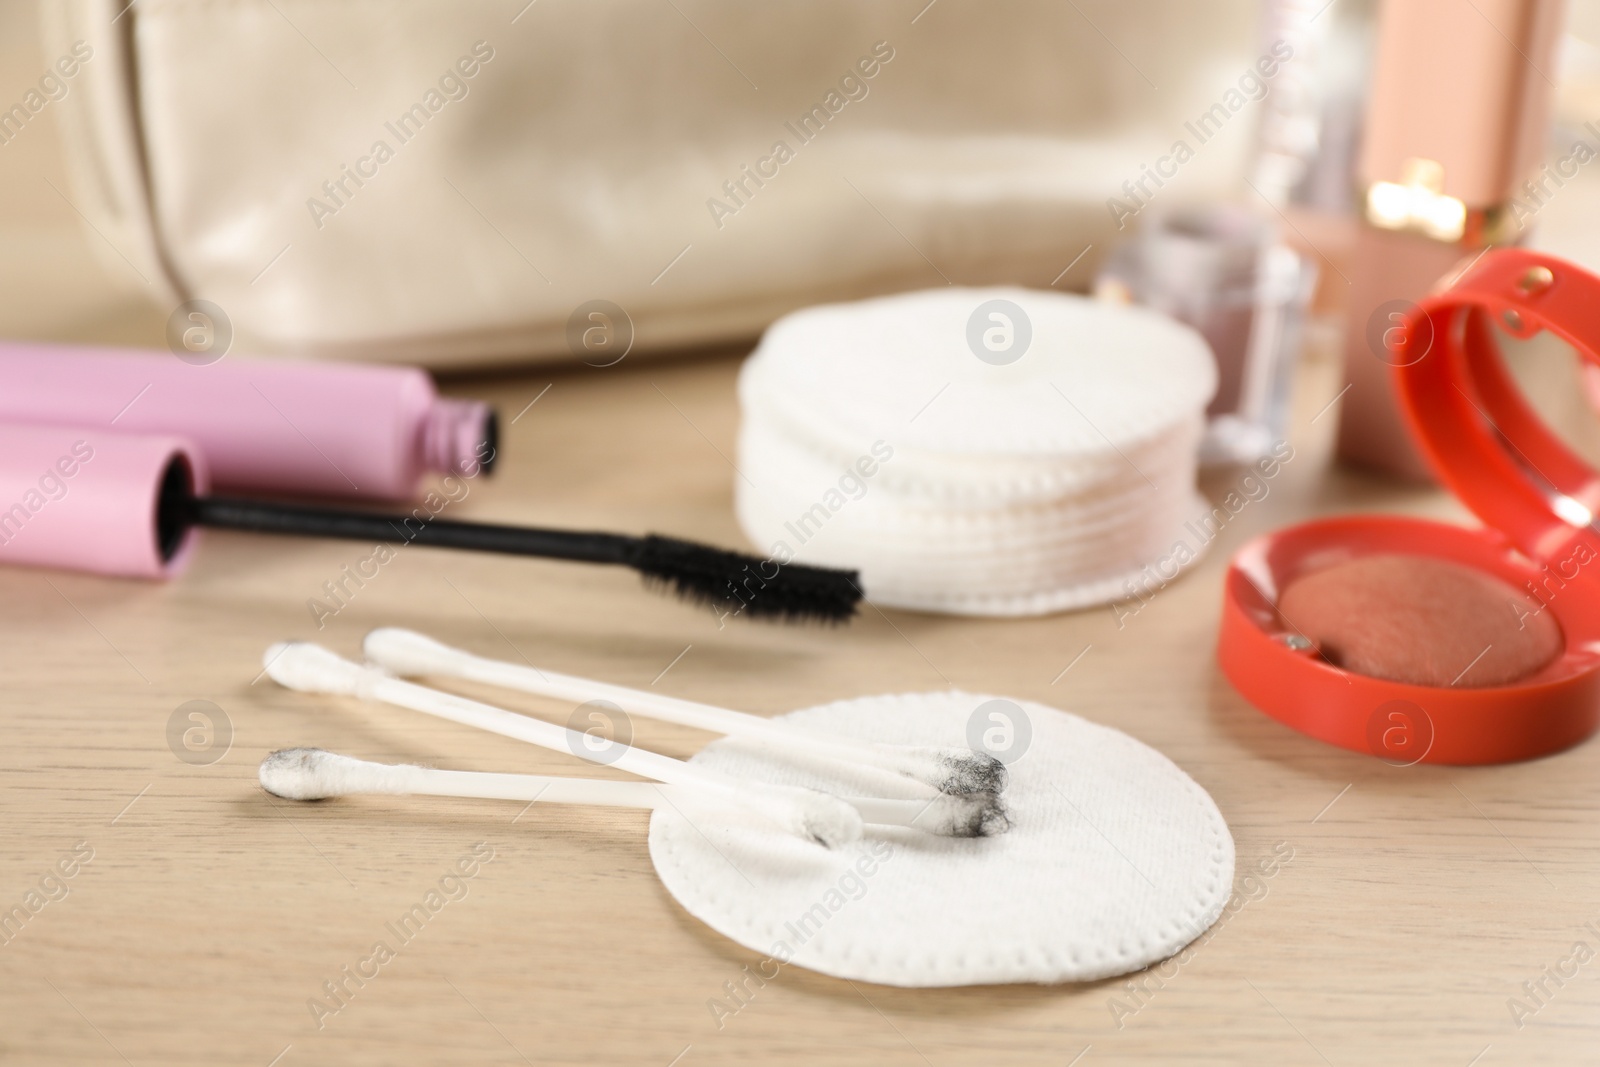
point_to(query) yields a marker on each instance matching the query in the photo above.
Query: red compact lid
(1537, 497)
(1469, 417)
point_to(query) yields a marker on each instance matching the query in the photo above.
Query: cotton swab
(957, 772)
(316, 774)
(310, 668)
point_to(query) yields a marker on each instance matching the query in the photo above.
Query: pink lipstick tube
(321, 429)
(91, 499)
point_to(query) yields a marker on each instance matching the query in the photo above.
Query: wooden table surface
(209, 915)
(202, 917)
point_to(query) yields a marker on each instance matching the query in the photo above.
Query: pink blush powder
(1422, 621)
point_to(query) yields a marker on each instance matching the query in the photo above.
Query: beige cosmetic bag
(475, 182)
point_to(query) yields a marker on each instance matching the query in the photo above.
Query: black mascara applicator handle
(257, 516)
(737, 583)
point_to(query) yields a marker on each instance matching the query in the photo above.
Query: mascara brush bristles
(746, 585)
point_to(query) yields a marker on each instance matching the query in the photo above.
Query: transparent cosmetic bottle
(1222, 270)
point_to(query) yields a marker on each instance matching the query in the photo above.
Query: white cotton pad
(876, 437)
(871, 366)
(1116, 858)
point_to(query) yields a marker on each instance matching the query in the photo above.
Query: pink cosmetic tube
(290, 429)
(90, 499)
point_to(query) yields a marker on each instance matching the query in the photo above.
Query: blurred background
(596, 152)
(55, 283)
(608, 155)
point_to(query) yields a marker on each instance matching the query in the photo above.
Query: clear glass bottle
(1223, 270)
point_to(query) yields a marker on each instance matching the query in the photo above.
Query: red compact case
(1538, 499)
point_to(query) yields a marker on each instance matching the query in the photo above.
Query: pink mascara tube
(287, 428)
(91, 499)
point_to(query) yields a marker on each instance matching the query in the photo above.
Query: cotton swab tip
(943, 816)
(308, 773)
(831, 823)
(310, 668)
(821, 817)
(970, 816)
(957, 772)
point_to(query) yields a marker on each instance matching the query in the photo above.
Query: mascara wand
(740, 583)
(128, 505)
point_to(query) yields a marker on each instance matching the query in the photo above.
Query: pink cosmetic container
(89, 499)
(288, 429)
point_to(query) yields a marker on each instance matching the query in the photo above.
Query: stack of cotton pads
(976, 451)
